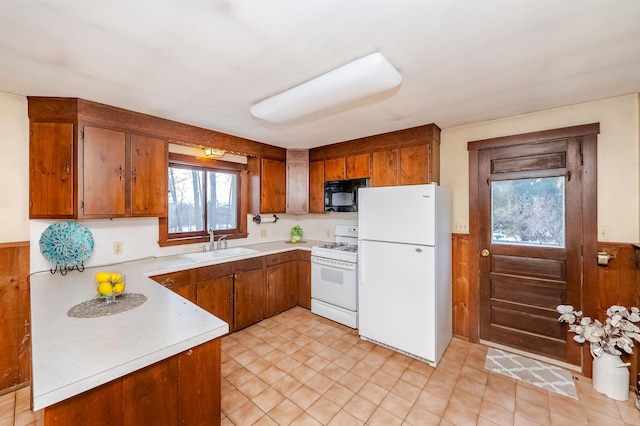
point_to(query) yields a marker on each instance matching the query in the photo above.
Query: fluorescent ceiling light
(358, 79)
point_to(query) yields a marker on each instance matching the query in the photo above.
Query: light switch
(603, 234)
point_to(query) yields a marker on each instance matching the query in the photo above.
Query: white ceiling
(206, 62)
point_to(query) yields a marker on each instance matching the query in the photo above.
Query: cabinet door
(316, 187)
(216, 296)
(414, 165)
(178, 282)
(199, 385)
(153, 389)
(384, 168)
(51, 169)
(334, 169)
(149, 168)
(304, 279)
(297, 181)
(248, 287)
(104, 172)
(282, 287)
(358, 166)
(272, 187)
(100, 406)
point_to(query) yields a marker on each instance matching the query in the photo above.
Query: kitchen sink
(236, 251)
(203, 256)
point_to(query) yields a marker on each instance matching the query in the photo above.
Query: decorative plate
(66, 244)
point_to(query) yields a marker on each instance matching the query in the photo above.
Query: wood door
(273, 186)
(530, 236)
(316, 187)
(304, 279)
(297, 181)
(334, 169)
(149, 168)
(149, 395)
(104, 172)
(100, 406)
(216, 296)
(384, 168)
(414, 165)
(199, 384)
(51, 170)
(359, 166)
(282, 287)
(248, 300)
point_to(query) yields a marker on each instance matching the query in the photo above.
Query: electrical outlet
(328, 233)
(263, 233)
(117, 247)
(603, 233)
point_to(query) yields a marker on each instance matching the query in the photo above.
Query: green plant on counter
(296, 233)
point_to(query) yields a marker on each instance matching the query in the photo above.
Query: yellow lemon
(118, 288)
(116, 278)
(105, 288)
(102, 276)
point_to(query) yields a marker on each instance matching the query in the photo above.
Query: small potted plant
(610, 374)
(296, 233)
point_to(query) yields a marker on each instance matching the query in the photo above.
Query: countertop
(73, 355)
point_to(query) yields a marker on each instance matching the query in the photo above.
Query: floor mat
(546, 376)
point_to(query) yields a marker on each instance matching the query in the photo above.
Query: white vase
(611, 376)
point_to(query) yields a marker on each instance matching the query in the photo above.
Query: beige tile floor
(299, 369)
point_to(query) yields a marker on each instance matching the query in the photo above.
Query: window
(203, 194)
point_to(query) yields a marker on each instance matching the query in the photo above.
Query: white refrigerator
(404, 269)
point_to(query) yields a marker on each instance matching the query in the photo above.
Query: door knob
(484, 253)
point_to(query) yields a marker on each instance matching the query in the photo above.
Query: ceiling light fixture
(358, 79)
(213, 152)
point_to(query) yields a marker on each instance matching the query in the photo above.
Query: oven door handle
(338, 265)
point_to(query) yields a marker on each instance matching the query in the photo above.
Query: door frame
(589, 134)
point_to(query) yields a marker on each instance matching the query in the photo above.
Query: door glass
(528, 212)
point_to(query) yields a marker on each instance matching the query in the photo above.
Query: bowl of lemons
(109, 285)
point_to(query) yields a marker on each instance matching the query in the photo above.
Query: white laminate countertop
(73, 355)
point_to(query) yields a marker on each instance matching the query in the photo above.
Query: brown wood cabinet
(248, 292)
(181, 390)
(282, 282)
(180, 282)
(359, 166)
(384, 168)
(93, 167)
(316, 187)
(334, 169)
(15, 349)
(214, 291)
(304, 278)
(268, 185)
(297, 181)
(408, 165)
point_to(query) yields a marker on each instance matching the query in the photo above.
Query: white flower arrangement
(617, 332)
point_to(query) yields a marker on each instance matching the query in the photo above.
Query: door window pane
(186, 200)
(528, 212)
(222, 201)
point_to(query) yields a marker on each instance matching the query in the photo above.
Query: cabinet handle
(135, 173)
(66, 168)
(120, 172)
(168, 282)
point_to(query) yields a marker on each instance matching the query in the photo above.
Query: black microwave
(342, 195)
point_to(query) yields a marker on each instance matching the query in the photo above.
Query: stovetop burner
(339, 246)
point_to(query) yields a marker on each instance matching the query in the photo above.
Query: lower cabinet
(249, 293)
(181, 390)
(214, 291)
(180, 282)
(282, 283)
(304, 279)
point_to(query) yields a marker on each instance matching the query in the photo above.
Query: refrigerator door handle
(419, 250)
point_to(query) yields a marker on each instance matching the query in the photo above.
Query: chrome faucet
(222, 239)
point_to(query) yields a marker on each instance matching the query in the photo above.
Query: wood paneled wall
(15, 349)
(618, 284)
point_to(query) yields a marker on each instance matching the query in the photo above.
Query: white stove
(334, 271)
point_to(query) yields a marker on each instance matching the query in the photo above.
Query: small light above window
(213, 152)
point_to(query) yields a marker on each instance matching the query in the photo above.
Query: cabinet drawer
(174, 279)
(214, 271)
(289, 255)
(247, 264)
(304, 255)
(274, 259)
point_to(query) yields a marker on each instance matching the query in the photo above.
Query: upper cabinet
(81, 169)
(297, 181)
(334, 169)
(358, 166)
(268, 185)
(316, 187)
